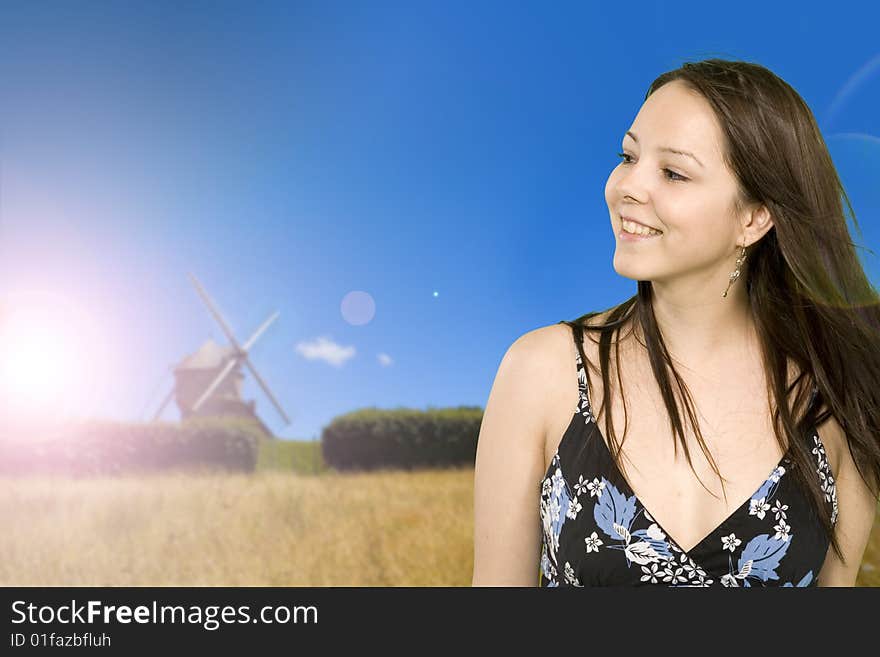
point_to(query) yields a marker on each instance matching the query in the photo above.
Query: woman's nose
(630, 182)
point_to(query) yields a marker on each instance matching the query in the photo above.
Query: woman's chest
(686, 498)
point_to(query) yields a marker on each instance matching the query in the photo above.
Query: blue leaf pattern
(553, 511)
(766, 490)
(612, 508)
(804, 582)
(764, 553)
(661, 547)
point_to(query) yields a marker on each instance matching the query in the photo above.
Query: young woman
(753, 317)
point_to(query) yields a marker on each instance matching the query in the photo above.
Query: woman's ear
(757, 222)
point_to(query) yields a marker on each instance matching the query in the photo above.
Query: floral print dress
(596, 532)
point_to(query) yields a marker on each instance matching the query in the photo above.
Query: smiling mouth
(634, 229)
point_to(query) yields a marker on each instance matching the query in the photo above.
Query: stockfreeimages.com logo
(210, 617)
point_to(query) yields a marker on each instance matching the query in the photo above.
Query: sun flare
(44, 351)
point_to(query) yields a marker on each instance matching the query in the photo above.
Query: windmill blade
(258, 332)
(215, 312)
(266, 390)
(164, 404)
(241, 353)
(217, 381)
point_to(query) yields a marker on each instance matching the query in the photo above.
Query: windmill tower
(208, 382)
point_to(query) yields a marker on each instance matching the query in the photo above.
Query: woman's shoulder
(554, 341)
(546, 356)
(550, 352)
(543, 347)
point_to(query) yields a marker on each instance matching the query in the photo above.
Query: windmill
(208, 382)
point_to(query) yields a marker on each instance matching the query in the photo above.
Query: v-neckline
(631, 493)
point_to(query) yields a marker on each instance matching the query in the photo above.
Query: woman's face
(690, 200)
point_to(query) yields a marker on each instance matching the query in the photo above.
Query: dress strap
(814, 398)
(580, 358)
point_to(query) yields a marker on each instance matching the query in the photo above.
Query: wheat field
(270, 528)
(265, 529)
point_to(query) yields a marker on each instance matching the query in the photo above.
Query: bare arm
(509, 465)
(857, 508)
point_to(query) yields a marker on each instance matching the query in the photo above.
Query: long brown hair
(808, 294)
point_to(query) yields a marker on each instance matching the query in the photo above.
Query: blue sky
(448, 159)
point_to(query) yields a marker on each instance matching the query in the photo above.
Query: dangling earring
(735, 274)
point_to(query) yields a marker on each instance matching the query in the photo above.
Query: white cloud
(384, 360)
(323, 348)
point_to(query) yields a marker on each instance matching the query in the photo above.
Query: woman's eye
(677, 177)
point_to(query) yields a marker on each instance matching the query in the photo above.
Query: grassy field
(272, 528)
(268, 529)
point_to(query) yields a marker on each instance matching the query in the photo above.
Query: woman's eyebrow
(667, 149)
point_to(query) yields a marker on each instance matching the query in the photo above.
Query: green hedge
(402, 438)
(109, 447)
